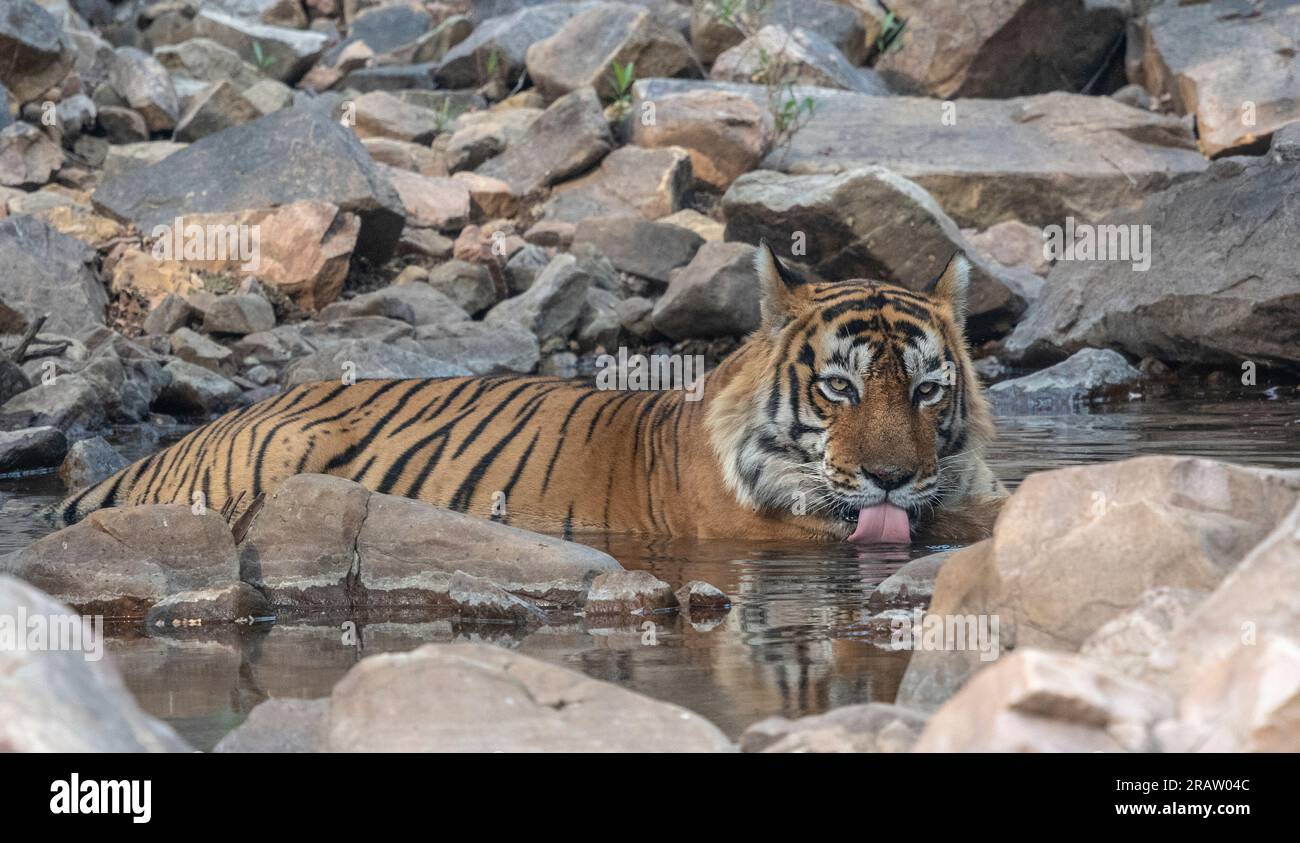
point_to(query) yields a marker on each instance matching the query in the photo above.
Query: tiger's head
(855, 404)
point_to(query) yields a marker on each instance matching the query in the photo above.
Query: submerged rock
(1058, 388)
(88, 462)
(478, 698)
(869, 727)
(628, 593)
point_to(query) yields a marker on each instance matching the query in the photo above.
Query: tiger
(853, 412)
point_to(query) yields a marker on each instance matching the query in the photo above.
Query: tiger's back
(523, 450)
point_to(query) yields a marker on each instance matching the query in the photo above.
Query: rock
(122, 125)
(390, 32)
(76, 406)
(507, 37)
(120, 562)
(1143, 523)
(715, 295)
(1203, 300)
(382, 115)
(275, 12)
(867, 727)
(236, 313)
(48, 272)
(13, 379)
(204, 60)
(469, 285)
(1240, 94)
(193, 347)
(914, 582)
(27, 156)
(326, 541)
(598, 324)
(628, 593)
(1059, 388)
(88, 462)
(490, 699)
(526, 264)
(997, 50)
(217, 108)
(132, 156)
(405, 156)
(481, 348)
(585, 50)
(263, 164)
(416, 304)
(865, 223)
(708, 228)
(239, 603)
(550, 308)
(569, 137)
(81, 223)
(726, 133)
(648, 249)
(489, 198)
(480, 135)
(197, 391)
(138, 273)
(781, 56)
(480, 599)
(1037, 701)
(699, 596)
(269, 95)
(1011, 243)
(368, 359)
(144, 85)
(1135, 640)
(30, 449)
(989, 161)
(280, 725)
(279, 52)
(650, 183)
(712, 32)
(37, 53)
(68, 700)
(429, 201)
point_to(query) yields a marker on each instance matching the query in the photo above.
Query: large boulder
(479, 698)
(584, 51)
(570, 136)
(1004, 49)
(650, 250)
(865, 223)
(37, 52)
(68, 699)
(1036, 159)
(46, 272)
(1204, 299)
(715, 295)
(289, 156)
(1235, 72)
(725, 132)
(326, 541)
(120, 562)
(366, 359)
(1078, 547)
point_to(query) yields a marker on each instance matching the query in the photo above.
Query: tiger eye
(839, 384)
(926, 389)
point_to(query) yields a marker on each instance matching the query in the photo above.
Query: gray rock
(711, 34)
(280, 725)
(715, 295)
(68, 700)
(172, 313)
(481, 348)
(144, 85)
(650, 183)
(1061, 386)
(122, 125)
(279, 52)
(71, 404)
(49, 272)
(794, 57)
(508, 37)
(551, 306)
(31, 448)
(194, 390)
(467, 284)
(914, 582)
(391, 32)
(193, 347)
(237, 603)
(263, 164)
(524, 266)
(37, 53)
(205, 60)
(1204, 299)
(88, 462)
(236, 313)
(119, 562)
(569, 137)
(216, 108)
(640, 247)
(28, 157)
(866, 223)
(628, 593)
(599, 324)
(867, 727)
(368, 359)
(415, 304)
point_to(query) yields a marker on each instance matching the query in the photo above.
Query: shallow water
(794, 643)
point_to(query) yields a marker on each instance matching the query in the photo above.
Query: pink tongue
(883, 522)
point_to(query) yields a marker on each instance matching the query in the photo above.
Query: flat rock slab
(1036, 159)
(291, 155)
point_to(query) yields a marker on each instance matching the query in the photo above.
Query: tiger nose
(888, 477)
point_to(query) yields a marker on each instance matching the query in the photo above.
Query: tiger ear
(951, 285)
(781, 288)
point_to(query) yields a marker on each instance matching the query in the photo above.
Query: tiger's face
(862, 406)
